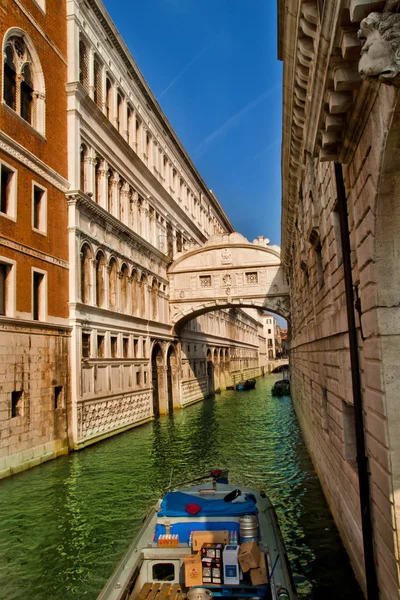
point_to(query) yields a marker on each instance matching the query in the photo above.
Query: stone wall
(319, 356)
(34, 402)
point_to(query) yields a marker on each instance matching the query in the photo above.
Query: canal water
(65, 525)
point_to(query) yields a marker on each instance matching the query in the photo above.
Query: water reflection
(65, 525)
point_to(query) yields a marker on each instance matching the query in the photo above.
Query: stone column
(124, 203)
(114, 200)
(103, 184)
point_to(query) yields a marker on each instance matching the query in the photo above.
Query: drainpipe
(362, 459)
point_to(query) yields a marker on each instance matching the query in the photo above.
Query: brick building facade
(34, 332)
(338, 111)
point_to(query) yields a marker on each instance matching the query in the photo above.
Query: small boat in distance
(281, 388)
(209, 539)
(246, 384)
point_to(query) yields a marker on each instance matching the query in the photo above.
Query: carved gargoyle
(380, 51)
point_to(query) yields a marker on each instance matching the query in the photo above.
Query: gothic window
(134, 292)
(83, 65)
(23, 89)
(154, 300)
(143, 296)
(178, 241)
(82, 168)
(100, 279)
(124, 289)
(110, 191)
(108, 98)
(97, 88)
(86, 262)
(97, 177)
(120, 113)
(113, 284)
(129, 124)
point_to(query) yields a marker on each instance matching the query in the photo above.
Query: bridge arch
(228, 272)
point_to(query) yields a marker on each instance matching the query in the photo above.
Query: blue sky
(212, 66)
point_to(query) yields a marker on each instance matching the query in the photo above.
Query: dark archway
(157, 377)
(172, 379)
(210, 373)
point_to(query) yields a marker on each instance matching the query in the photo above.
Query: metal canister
(248, 531)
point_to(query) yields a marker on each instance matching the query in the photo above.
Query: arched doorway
(210, 373)
(157, 378)
(172, 379)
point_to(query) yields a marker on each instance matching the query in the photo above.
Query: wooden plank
(176, 588)
(181, 596)
(154, 591)
(164, 591)
(145, 591)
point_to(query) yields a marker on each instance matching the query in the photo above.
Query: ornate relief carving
(226, 256)
(96, 418)
(380, 51)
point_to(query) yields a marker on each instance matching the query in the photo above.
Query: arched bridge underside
(228, 272)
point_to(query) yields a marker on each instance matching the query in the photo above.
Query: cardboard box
(259, 575)
(193, 570)
(212, 551)
(249, 556)
(209, 537)
(212, 570)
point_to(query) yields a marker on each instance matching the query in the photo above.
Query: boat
(170, 557)
(247, 384)
(281, 388)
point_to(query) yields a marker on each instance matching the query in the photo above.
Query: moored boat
(195, 543)
(246, 384)
(281, 388)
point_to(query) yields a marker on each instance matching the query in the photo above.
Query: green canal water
(65, 525)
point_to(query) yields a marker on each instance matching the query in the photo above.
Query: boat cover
(174, 505)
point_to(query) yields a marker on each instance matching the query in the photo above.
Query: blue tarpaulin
(173, 505)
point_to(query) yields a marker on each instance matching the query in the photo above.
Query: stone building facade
(135, 202)
(34, 329)
(340, 116)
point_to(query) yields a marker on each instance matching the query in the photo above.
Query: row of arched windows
(124, 289)
(23, 87)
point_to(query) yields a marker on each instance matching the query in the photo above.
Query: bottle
(190, 539)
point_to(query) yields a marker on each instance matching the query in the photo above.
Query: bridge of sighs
(228, 272)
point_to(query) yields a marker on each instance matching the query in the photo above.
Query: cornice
(26, 158)
(133, 70)
(325, 101)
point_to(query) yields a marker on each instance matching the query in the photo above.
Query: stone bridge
(228, 272)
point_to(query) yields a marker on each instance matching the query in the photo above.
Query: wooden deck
(161, 591)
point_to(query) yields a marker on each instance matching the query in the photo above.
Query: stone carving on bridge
(226, 256)
(380, 51)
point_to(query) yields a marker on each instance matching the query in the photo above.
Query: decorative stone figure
(380, 51)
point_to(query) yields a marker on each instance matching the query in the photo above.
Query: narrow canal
(65, 525)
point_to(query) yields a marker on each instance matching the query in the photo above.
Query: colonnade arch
(106, 281)
(165, 377)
